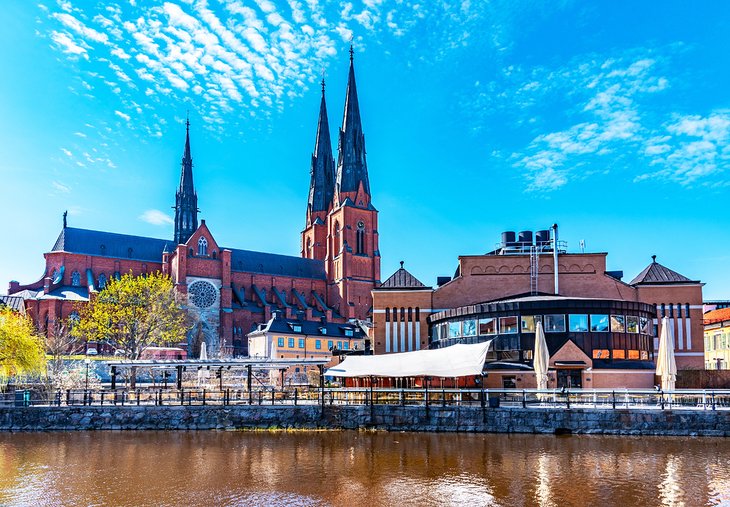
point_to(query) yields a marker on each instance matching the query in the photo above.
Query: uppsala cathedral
(229, 291)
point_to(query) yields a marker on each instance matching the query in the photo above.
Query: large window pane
(528, 323)
(644, 327)
(508, 325)
(599, 323)
(618, 324)
(578, 323)
(554, 323)
(632, 324)
(454, 329)
(488, 326)
(470, 327)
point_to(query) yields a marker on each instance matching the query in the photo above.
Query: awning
(455, 361)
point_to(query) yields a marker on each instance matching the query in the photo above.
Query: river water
(359, 468)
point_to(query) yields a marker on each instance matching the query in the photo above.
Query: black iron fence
(486, 398)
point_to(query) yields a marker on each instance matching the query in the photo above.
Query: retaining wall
(385, 417)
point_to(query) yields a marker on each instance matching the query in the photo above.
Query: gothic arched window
(102, 281)
(202, 246)
(76, 279)
(360, 237)
(308, 253)
(338, 239)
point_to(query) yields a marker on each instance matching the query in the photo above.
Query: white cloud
(155, 217)
(122, 115)
(66, 44)
(67, 152)
(60, 187)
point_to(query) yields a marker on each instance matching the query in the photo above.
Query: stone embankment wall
(392, 418)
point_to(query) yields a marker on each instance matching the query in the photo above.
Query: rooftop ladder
(534, 269)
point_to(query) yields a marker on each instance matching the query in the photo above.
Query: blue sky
(610, 118)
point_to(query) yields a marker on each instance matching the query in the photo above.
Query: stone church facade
(229, 291)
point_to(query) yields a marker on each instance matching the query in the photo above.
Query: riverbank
(384, 417)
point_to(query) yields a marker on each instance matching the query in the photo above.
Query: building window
(73, 319)
(599, 323)
(387, 315)
(488, 326)
(348, 332)
(309, 249)
(632, 324)
(600, 354)
(508, 325)
(339, 345)
(322, 330)
(402, 314)
(76, 279)
(418, 313)
(454, 329)
(345, 345)
(281, 342)
(509, 381)
(360, 237)
(527, 323)
(410, 314)
(318, 344)
(634, 354)
(470, 327)
(338, 239)
(301, 343)
(618, 324)
(578, 323)
(202, 246)
(619, 354)
(291, 343)
(554, 323)
(102, 281)
(297, 328)
(330, 345)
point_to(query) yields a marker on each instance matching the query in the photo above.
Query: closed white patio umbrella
(666, 366)
(541, 357)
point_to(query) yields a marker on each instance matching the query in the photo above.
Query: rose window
(202, 294)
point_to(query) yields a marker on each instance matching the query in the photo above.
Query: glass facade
(609, 332)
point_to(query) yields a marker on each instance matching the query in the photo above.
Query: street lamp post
(87, 361)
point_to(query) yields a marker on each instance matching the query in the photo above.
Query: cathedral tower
(353, 255)
(186, 200)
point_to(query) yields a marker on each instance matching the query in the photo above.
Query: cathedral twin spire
(328, 184)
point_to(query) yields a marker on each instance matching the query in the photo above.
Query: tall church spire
(186, 200)
(352, 169)
(322, 183)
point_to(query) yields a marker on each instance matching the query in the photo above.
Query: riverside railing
(485, 398)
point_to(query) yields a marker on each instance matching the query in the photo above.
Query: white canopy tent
(455, 361)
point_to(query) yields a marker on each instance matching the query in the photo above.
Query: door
(570, 378)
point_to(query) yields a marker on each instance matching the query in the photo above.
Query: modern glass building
(611, 334)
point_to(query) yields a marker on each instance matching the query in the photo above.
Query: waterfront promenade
(704, 413)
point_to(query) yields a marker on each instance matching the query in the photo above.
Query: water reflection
(351, 468)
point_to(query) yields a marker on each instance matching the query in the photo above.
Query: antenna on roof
(65, 214)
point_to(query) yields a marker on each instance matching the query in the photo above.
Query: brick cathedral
(229, 291)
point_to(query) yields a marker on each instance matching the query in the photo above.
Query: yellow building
(717, 339)
(282, 338)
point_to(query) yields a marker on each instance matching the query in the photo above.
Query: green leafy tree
(133, 313)
(21, 349)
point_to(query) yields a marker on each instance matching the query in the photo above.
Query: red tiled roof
(716, 316)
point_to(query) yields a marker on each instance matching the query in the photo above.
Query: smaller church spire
(186, 200)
